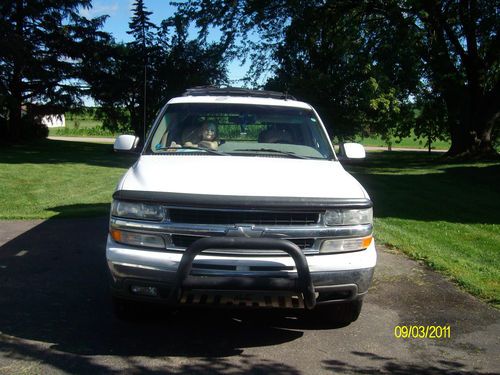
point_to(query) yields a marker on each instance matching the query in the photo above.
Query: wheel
(341, 314)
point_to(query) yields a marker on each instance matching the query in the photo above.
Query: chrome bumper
(336, 277)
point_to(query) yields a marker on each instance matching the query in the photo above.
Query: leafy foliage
(41, 46)
(338, 71)
(50, 57)
(368, 65)
(160, 63)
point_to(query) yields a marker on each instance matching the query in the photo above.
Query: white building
(54, 121)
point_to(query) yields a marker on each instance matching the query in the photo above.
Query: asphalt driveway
(55, 317)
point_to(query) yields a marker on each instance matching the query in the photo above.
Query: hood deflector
(249, 202)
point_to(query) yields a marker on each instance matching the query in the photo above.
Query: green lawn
(406, 142)
(444, 214)
(55, 178)
(81, 125)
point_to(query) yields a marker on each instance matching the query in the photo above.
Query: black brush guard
(303, 284)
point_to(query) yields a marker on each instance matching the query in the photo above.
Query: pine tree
(42, 43)
(173, 64)
(141, 28)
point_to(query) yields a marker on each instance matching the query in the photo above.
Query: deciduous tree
(368, 61)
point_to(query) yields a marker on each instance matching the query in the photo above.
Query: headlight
(135, 210)
(349, 216)
(345, 245)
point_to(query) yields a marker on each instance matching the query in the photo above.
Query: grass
(56, 178)
(82, 122)
(81, 125)
(81, 132)
(443, 214)
(406, 142)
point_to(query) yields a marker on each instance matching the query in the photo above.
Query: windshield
(239, 129)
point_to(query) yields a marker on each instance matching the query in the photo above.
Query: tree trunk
(473, 140)
(16, 84)
(15, 117)
(473, 116)
(15, 103)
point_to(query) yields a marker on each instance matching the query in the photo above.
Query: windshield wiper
(287, 153)
(208, 150)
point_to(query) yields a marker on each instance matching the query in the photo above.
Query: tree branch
(452, 37)
(468, 21)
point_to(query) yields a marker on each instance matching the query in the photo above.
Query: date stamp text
(422, 332)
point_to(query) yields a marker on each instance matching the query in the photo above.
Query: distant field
(80, 132)
(81, 125)
(81, 120)
(407, 142)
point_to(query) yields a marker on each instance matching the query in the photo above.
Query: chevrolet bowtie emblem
(244, 231)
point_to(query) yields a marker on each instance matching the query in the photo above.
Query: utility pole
(144, 104)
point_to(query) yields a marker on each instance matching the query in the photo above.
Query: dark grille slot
(303, 243)
(186, 241)
(213, 267)
(183, 241)
(269, 268)
(242, 217)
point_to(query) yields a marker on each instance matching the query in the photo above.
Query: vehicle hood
(241, 176)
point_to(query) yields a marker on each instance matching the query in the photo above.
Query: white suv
(238, 199)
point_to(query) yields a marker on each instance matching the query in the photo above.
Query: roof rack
(235, 91)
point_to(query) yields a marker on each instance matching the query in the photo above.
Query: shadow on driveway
(54, 283)
(54, 290)
(55, 316)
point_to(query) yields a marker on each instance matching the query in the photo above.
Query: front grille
(194, 216)
(186, 241)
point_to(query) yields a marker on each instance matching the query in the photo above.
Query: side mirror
(126, 143)
(352, 151)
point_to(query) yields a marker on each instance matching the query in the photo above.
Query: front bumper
(336, 277)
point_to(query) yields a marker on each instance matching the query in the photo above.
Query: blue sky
(120, 11)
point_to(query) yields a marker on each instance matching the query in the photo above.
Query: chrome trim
(310, 231)
(239, 252)
(166, 229)
(230, 273)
